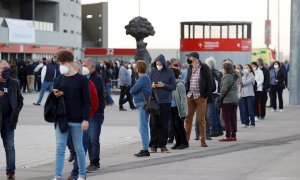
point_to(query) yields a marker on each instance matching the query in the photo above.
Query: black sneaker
(175, 146)
(36, 104)
(122, 109)
(71, 158)
(133, 108)
(91, 168)
(197, 138)
(208, 138)
(183, 146)
(143, 153)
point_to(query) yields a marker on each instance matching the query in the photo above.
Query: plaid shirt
(194, 83)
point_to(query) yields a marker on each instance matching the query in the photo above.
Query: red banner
(268, 31)
(240, 45)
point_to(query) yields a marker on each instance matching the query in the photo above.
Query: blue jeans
(248, 102)
(45, 86)
(61, 143)
(7, 135)
(143, 125)
(94, 138)
(85, 141)
(243, 115)
(213, 112)
(109, 98)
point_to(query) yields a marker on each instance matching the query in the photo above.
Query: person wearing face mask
(258, 88)
(163, 84)
(11, 103)
(199, 86)
(74, 88)
(265, 89)
(47, 78)
(97, 121)
(277, 85)
(125, 85)
(247, 95)
(93, 109)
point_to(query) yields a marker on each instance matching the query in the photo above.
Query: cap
(193, 54)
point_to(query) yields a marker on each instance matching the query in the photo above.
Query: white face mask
(159, 67)
(133, 65)
(246, 71)
(276, 66)
(129, 66)
(64, 69)
(85, 71)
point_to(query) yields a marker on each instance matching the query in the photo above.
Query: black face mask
(189, 61)
(5, 74)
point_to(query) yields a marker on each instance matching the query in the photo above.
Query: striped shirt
(194, 83)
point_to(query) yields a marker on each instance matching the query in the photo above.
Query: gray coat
(180, 98)
(247, 86)
(226, 82)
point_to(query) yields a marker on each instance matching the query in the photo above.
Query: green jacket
(227, 80)
(180, 98)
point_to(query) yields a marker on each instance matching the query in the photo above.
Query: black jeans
(275, 90)
(178, 126)
(263, 102)
(257, 103)
(125, 90)
(159, 126)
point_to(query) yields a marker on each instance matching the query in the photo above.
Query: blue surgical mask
(5, 74)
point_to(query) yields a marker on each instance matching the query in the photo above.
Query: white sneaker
(81, 178)
(57, 178)
(280, 110)
(273, 110)
(256, 119)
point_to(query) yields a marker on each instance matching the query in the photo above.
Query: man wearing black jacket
(11, 103)
(199, 88)
(97, 121)
(266, 86)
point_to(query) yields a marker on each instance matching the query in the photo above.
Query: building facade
(32, 29)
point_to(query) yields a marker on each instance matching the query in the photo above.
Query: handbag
(221, 99)
(151, 104)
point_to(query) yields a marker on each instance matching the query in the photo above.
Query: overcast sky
(166, 15)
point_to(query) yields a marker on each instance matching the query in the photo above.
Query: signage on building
(243, 45)
(20, 31)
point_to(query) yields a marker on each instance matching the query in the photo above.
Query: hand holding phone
(57, 92)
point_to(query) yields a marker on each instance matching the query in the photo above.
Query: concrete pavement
(268, 151)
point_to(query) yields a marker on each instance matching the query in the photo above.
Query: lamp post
(294, 80)
(278, 45)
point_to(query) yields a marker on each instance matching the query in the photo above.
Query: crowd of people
(80, 91)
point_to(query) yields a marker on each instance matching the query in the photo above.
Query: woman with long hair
(247, 95)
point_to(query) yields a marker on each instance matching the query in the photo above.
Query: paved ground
(270, 151)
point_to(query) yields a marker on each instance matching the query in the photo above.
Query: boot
(203, 143)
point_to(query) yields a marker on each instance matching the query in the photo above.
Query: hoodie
(165, 76)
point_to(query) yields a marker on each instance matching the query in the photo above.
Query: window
(72, 32)
(65, 31)
(72, 15)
